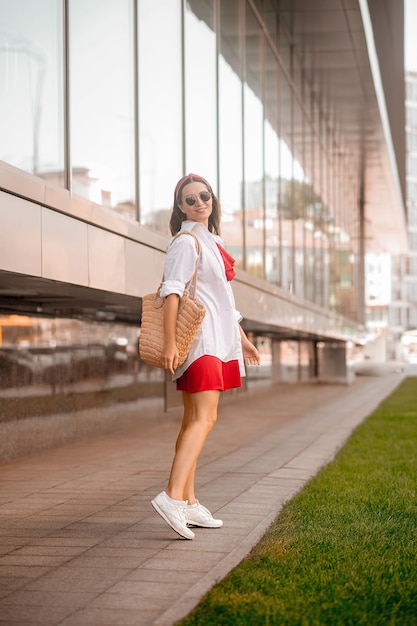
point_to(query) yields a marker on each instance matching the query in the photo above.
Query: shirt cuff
(238, 316)
(172, 286)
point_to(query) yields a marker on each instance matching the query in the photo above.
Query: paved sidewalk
(80, 544)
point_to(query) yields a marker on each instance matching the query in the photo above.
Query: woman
(216, 360)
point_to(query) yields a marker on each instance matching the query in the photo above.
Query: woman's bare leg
(189, 493)
(200, 415)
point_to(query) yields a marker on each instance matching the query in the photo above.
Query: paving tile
(191, 561)
(8, 585)
(32, 560)
(78, 536)
(111, 617)
(210, 541)
(46, 598)
(144, 589)
(28, 615)
(26, 534)
(10, 547)
(255, 510)
(31, 525)
(23, 571)
(75, 580)
(136, 601)
(121, 561)
(110, 517)
(50, 550)
(133, 541)
(122, 553)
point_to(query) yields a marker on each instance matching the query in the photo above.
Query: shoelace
(182, 512)
(203, 508)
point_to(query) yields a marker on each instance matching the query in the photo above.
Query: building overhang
(353, 58)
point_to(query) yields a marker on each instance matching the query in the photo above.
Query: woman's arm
(170, 353)
(250, 353)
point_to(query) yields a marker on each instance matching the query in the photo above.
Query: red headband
(181, 182)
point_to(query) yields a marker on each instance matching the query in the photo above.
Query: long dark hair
(178, 217)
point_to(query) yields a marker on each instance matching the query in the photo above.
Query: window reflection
(230, 130)
(31, 136)
(271, 162)
(160, 109)
(81, 364)
(286, 161)
(272, 226)
(254, 205)
(101, 89)
(253, 147)
(200, 91)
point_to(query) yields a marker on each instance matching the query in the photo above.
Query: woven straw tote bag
(191, 313)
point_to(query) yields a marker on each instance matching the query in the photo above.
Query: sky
(410, 35)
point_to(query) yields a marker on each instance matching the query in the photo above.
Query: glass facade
(156, 89)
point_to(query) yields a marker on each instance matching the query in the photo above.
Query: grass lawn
(343, 552)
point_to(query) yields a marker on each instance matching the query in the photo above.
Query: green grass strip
(344, 550)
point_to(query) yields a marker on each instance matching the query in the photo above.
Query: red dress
(209, 372)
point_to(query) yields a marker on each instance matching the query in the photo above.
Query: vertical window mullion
(243, 75)
(66, 97)
(136, 108)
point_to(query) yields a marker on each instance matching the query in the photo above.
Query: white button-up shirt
(219, 333)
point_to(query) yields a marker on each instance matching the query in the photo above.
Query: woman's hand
(169, 358)
(250, 353)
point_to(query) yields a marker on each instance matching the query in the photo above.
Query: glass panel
(411, 139)
(253, 147)
(308, 139)
(271, 130)
(200, 90)
(230, 130)
(299, 200)
(60, 365)
(318, 221)
(101, 90)
(160, 109)
(286, 188)
(411, 115)
(315, 200)
(31, 111)
(412, 165)
(412, 210)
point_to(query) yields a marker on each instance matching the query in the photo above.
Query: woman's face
(196, 202)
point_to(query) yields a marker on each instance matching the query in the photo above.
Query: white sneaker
(174, 513)
(198, 515)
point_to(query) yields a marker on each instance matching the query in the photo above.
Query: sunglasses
(204, 196)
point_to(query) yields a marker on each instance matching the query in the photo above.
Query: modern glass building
(292, 109)
(402, 312)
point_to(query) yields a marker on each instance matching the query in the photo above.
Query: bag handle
(190, 286)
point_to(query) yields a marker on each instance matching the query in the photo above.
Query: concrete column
(332, 363)
(276, 361)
